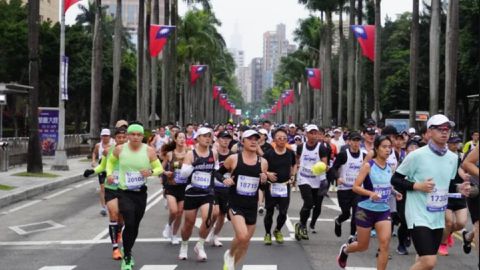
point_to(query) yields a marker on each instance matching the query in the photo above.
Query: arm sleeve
(111, 164)
(400, 183)
(466, 147)
(157, 167)
(186, 170)
(218, 174)
(102, 166)
(339, 161)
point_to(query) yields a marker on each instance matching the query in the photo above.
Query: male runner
(101, 150)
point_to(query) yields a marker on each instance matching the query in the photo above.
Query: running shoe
(304, 233)
(373, 233)
(450, 240)
(103, 212)
(278, 236)
(312, 228)
(175, 240)
(209, 238)
(408, 242)
(267, 239)
(127, 263)
(443, 250)
(200, 251)
(338, 228)
(261, 210)
(183, 255)
(167, 231)
(342, 256)
(402, 250)
(116, 254)
(297, 232)
(467, 245)
(228, 261)
(216, 241)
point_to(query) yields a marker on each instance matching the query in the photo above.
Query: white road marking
(334, 207)
(56, 194)
(290, 227)
(22, 206)
(59, 267)
(159, 267)
(360, 268)
(320, 219)
(83, 184)
(259, 267)
(52, 225)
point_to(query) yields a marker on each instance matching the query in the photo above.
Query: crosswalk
(168, 267)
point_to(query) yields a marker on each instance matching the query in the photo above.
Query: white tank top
(349, 171)
(159, 142)
(392, 161)
(307, 159)
(100, 149)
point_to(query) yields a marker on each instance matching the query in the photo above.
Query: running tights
(132, 207)
(347, 200)
(311, 199)
(282, 212)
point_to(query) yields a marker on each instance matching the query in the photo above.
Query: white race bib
(279, 190)
(247, 185)
(178, 178)
(115, 177)
(134, 180)
(437, 200)
(201, 179)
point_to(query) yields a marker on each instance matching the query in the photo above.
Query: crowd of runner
(425, 183)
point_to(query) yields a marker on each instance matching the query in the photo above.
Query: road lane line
(83, 184)
(320, 219)
(22, 206)
(259, 267)
(159, 267)
(59, 267)
(58, 193)
(361, 268)
(290, 227)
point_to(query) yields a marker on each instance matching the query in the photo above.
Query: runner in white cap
(101, 150)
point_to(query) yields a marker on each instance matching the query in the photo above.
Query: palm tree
(96, 87)
(434, 61)
(451, 59)
(34, 157)
(414, 50)
(341, 63)
(140, 56)
(117, 62)
(165, 72)
(350, 65)
(378, 59)
(358, 73)
(154, 71)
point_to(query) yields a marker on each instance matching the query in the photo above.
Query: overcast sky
(254, 17)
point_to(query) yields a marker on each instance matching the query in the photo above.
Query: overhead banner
(48, 129)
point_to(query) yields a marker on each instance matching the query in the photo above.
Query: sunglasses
(442, 129)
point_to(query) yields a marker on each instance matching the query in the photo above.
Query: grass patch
(43, 175)
(85, 160)
(5, 187)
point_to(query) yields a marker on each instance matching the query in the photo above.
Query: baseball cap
(263, 131)
(355, 136)
(121, 123)
(250, 133)
(337, 130)
(311, 127)
(224, 134)
(291, 125)
(389, 130)
(105, 132)
(202, 131)
(330, 133)
(369, 130)
(370, 122)
(454, 139)
(412, 130)
(439, 119)
(297, 137)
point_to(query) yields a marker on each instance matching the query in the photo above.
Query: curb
(30, 192)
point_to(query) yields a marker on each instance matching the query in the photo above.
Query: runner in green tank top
(137, 162)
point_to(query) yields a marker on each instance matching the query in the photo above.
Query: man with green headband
(136, 162)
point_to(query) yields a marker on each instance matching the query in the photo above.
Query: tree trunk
(117, 63)
(350, 66)
(97, 65)
(414, 42)
(378, 60)
(147, 68)
(34, 157)
(140, 57)
(451, 59)
(172, 80)
(434, 61)
(358, 74)
(328, 70)
(341, 63)
(154, 71)
(165, 56)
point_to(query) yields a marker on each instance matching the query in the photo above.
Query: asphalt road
(63, 230)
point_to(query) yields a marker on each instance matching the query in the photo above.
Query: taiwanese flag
(68, 3)
(365, 35)
(196, 71)
(223, 99)
(216, 91)
(158, 37)
(289, 97)
(314, 78)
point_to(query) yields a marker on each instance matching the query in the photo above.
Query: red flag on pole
(216, 91)
(196, 71)
(365, 35)
(314, 78)
(158, 37)
(68, 3)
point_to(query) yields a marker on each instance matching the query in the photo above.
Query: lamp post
(3, 102)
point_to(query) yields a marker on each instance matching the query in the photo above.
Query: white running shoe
(183, 255)
(175, 240)
(216, 241)
(200, 251)
(167, 232)
(228, 261)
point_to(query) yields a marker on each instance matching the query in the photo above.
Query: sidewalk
(27, 187)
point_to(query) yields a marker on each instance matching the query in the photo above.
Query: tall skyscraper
(256, 77)
(275, 46)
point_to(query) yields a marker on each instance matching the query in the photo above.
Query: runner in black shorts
(248, 171)
(281, 163)
(172, 155)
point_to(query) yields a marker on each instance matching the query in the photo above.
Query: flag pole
(60, 163)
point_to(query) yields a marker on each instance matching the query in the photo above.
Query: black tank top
(172, 165)
(244, 193)
(222, 158)
(198, 185)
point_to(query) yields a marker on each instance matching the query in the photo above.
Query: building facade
(256, 77)
(275, 46)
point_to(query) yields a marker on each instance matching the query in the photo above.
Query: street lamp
(3, 102)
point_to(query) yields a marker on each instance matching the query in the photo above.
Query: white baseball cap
(412, 130)
(202, 131)
(105, 132)
(292, 125)
(250, 133)
(337, 130)
(263, 131)
(311, 127)
(439, 119)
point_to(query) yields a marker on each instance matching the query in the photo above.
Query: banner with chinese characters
(48, 129)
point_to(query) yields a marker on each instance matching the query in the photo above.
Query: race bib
(437, 200)
(384, 191)
(306, 172)
(134, 180)
(178, 177)
(201, 180)
(247, 185)
(115, 177)
(279, 190)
